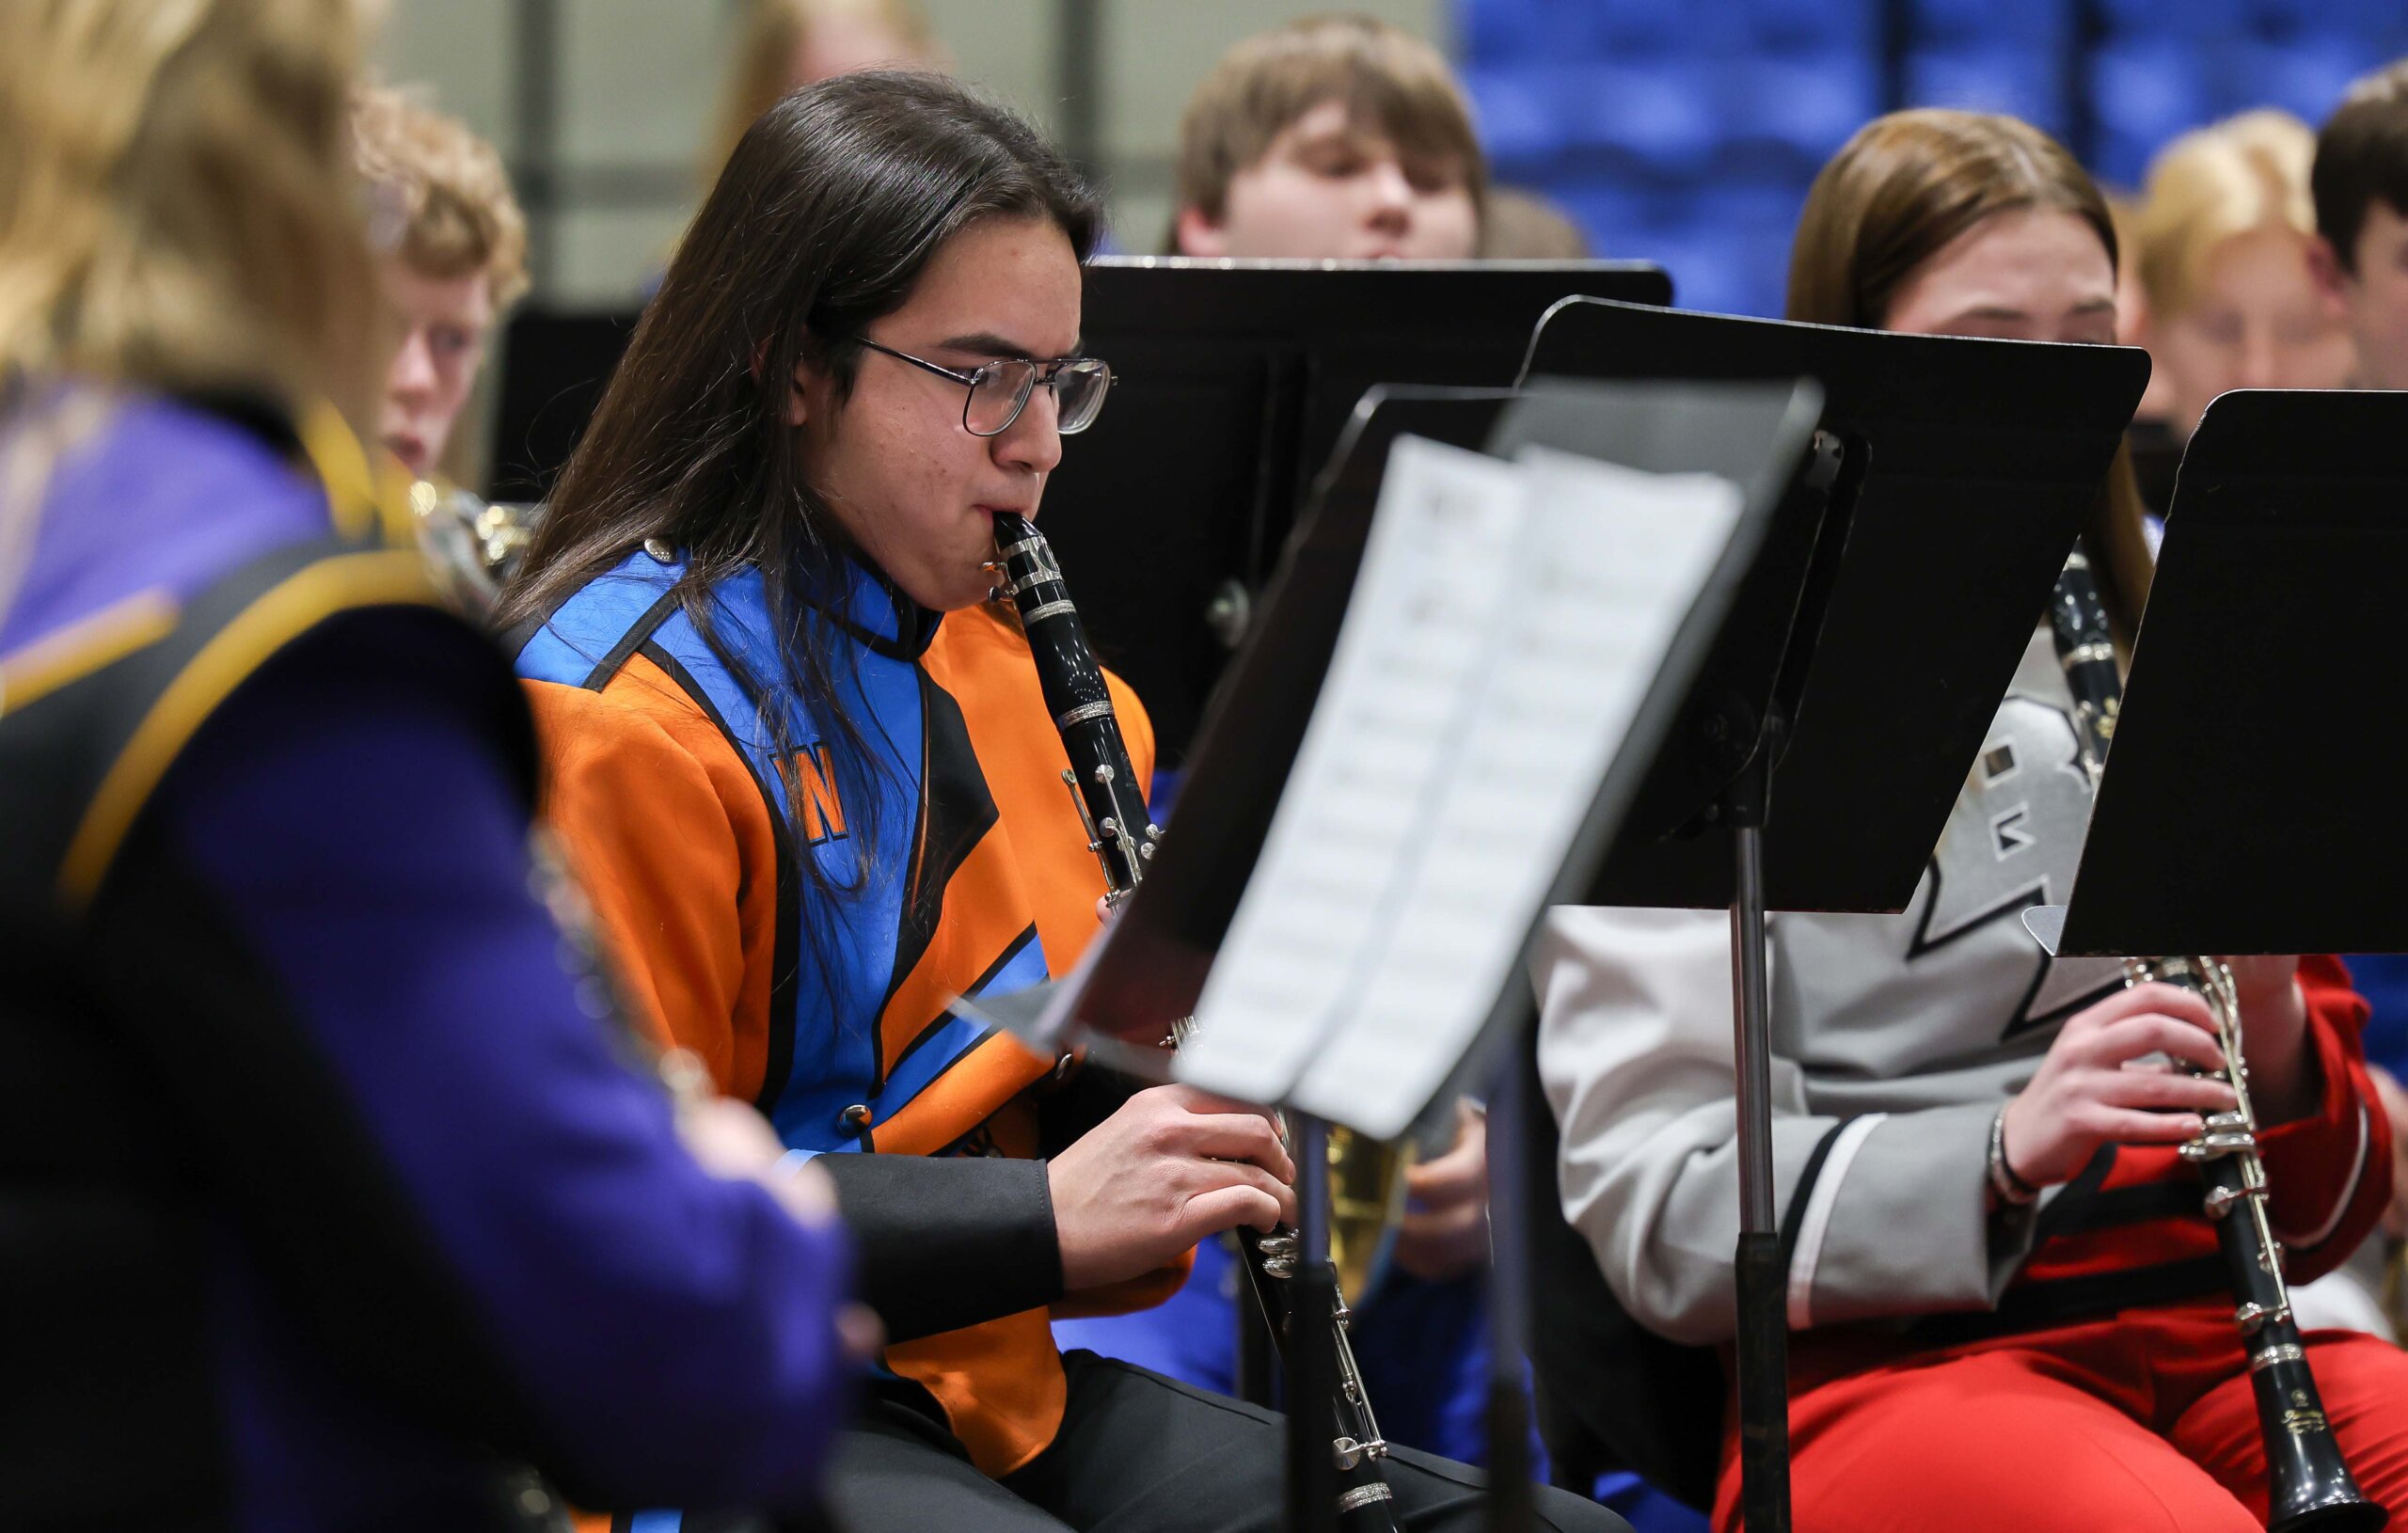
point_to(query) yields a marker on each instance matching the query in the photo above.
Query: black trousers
(1137, 1453)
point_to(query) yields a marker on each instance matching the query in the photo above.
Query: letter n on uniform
(811, 786)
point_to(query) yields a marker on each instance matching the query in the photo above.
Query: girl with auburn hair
(2008, 1309)
(323, 1200)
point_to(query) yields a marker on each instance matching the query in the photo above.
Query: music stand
(1966, 470)
(1233, 381)
(2220, 826)
(554, 365)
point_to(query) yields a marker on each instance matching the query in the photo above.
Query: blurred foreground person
(324, 1200)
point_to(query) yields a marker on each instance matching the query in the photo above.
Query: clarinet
(1121, 831)
(2308, 1485)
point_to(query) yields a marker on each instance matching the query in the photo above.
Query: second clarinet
(1122, 834)
(2307, 1483)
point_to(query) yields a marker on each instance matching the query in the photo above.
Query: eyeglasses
(1000, 390)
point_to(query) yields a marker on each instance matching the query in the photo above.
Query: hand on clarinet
(1173, 1166)
(2097, 1085)
(1444, 1230)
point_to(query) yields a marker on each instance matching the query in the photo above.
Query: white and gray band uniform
(1894, 1040)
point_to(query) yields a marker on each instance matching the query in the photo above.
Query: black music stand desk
(1232, 383)
(2251, 801)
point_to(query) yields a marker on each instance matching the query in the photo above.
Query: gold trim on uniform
(86, 645)
(287, 609)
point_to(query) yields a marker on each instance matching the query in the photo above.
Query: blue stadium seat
(1660, 115)
(2306, 77)
(1708, 274)
(2034, 24)
(2139, 19)
(1619, 28)
(1507, 31)
(1812, 26)
(1518, 107)
(2017, 79)
(2142, 93)
(1748, 227)
(2377, 25)
(1618, 216)
(1802, 107)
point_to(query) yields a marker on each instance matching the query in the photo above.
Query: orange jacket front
(797, 902)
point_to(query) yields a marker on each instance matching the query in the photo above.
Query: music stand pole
(1763, 1338)
(1511, 1505)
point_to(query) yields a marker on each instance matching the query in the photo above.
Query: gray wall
(607, 163)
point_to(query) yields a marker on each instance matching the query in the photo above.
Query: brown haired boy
(461, 257)
(2360, 185)
(1333, 137)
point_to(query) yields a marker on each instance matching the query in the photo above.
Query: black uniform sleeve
(945, 1242)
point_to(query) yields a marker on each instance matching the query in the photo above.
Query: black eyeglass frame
(1039, 375)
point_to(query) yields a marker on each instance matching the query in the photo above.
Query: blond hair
(458, 216)
(773, 33)
(1388, 78)
(177, 204)
(2213, 184)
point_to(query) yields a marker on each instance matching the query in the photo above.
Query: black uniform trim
(1795, 1215)
(2038, 1307)
(635, 638)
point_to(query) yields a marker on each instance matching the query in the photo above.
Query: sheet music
(1607, 566)
(1508, 622)
(1434, 571)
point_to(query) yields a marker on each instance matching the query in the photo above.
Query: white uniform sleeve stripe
(2349, 1190)
(1816, 1221)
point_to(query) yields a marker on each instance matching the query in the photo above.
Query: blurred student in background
(1524, 226)
(785, 45)
(2360, 187)
(2223, 248)
(327, 1186)
(1337, 137)
(458, 258)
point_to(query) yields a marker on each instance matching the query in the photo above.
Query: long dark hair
(1893, 197)
(827, 212)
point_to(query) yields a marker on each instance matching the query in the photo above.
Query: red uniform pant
(2136, 1424)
